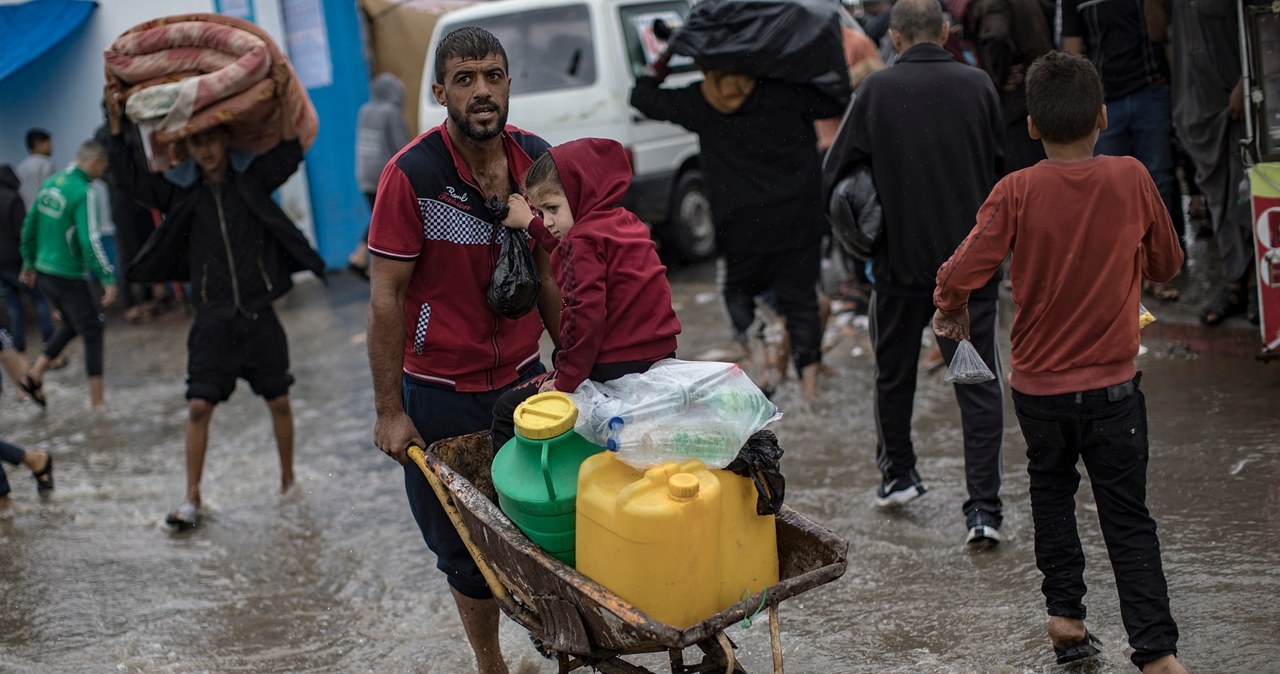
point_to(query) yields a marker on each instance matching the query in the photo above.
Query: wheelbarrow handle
(490, 578)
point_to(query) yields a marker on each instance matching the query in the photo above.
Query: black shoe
(900, 490)
(984, 530)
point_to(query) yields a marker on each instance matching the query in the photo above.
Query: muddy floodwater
(333, 577)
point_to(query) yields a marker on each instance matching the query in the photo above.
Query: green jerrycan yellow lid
(546, 415)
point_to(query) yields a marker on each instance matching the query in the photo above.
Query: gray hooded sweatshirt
(380, 130)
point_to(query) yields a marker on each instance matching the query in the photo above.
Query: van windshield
(547, 49)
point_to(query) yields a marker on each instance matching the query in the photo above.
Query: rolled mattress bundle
(185, 74)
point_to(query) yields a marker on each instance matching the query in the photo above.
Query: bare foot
(1065, 631)
(1167, 665)
(5, 501)
(286, 483)
(809, 382)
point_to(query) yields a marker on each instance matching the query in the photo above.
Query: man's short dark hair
(468, 42)
(36, 136)
(1064, 94)
(917, 20)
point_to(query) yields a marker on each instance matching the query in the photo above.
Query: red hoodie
(617, 302)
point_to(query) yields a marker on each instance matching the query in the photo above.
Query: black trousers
(80, 316)
(896, 327)
(1108, 429)
(792, 277)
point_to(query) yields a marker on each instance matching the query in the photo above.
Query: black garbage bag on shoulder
(761, 460)
(857, 221)
(513, 290)
(797, 41)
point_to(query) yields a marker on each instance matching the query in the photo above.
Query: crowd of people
(1052, 126)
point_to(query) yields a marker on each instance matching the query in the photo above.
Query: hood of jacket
(387, 88)
(8, 178)
(595, 173)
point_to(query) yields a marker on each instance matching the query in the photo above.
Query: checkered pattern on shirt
(420, 332)
(442, 222)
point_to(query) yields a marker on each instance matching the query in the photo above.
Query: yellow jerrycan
(678, 541)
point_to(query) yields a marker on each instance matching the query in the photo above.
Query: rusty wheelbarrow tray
(578, 621)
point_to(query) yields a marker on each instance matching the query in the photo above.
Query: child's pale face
(555, 212)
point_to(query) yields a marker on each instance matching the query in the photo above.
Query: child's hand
(548, 385)
(519, 215)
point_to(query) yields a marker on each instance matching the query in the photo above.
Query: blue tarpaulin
(32, 28)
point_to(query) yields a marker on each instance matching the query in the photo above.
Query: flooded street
(334, 577)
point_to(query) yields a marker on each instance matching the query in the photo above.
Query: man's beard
(473, 132)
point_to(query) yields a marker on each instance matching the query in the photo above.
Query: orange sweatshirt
(1083, 235)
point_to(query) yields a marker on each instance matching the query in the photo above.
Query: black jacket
(266, 247)
(932, 131)
(12, 212)
(761, 162)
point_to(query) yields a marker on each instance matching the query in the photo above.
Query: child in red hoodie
(616, 317)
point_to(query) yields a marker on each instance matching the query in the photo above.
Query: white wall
(62, 90)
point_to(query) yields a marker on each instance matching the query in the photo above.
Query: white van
(572, 66)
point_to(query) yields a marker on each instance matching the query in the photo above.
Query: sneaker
(900, 490)
(984, 530)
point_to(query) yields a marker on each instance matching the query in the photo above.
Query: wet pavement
(333, 576)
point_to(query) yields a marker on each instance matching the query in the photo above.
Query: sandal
(1162, 291)
(32, 388)
(187, 516)
(44, 477)
(1229, 302)
(1085, 649)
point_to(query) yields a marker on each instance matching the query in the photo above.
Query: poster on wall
(1265, 181)
(241, 9)
(308, 41)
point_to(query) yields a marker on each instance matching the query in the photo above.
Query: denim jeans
(1140, 125)
(1108, 429)
(13, 290)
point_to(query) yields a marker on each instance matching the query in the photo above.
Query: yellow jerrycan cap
(683, 486)
(546, 415)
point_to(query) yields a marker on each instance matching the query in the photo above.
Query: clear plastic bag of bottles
(676, 411)
(967, 367)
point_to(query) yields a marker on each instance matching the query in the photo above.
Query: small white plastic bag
(1145, 317)
(967, 366)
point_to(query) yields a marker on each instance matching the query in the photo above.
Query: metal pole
(1246, 62)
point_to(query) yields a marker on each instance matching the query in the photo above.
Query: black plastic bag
(513, 290)
(854, 210)
(761, 460)
(796, 41)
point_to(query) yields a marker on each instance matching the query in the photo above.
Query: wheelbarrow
(576, 621)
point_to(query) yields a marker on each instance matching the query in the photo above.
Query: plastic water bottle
(653, 445)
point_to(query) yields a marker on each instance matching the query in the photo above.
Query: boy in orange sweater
(1084, 231)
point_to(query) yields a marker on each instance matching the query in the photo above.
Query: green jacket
(60, 233)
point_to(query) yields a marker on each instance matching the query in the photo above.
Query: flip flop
(1085, 649)
(31, 388)
(44, 478)
(187, 516)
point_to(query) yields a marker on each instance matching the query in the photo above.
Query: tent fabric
(32, 28)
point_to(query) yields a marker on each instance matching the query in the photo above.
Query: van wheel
(691, 229)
